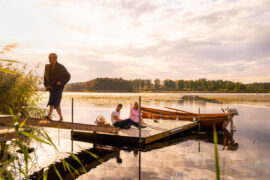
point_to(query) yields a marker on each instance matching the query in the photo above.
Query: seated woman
(134, 115)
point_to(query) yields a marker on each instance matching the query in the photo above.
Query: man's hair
(53, 54)
(120, 105)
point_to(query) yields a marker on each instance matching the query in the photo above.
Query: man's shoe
(143, 126)
(47, 118)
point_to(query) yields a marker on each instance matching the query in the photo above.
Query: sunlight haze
(177, 39)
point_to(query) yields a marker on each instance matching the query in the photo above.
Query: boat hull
(207, 121)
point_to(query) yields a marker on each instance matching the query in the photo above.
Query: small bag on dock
(100, 120)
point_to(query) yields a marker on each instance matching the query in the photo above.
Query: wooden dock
(85, 132)
(154, 131)
(7, 121)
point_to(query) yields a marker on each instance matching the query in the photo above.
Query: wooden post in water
(140, 162)
(140, 120)
(140, 135)
(72, 111)
(199, 119)
(72, 120)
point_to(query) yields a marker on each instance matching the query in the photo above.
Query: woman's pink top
(134, 115)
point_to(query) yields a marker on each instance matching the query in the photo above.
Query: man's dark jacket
(51, 77)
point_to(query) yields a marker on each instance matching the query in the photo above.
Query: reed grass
(216, 153)
(19, 89)
(16, 165)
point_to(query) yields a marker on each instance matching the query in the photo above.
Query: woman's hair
(137, 104)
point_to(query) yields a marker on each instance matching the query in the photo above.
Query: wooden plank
(7, 133)
(5, 115)
(11, 136)
(58, 124)
(6, 129)
(169, 133)
(154, 128)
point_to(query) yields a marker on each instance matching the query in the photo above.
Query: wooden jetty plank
(6, 129)
(169, 133)
(7, 133)
(154, 128)
(7, 120)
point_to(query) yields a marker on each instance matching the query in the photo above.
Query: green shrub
(19, 90)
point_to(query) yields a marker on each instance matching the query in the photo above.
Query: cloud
(146, 39)
(9, 48)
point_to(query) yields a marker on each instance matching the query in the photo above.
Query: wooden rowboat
(220, 120)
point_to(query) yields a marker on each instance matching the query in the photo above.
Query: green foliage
(36, 138)
(78, 160)
(18, 90)
(157, 83)
(18, 164)
(216, 153)
(170, 84)
(9, 61)
(112, 84)
(102, 84)
(14, 162)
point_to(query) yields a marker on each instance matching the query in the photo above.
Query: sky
(176, 39)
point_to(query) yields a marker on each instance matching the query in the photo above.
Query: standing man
(56, 77)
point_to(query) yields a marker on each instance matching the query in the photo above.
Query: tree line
(137, 85)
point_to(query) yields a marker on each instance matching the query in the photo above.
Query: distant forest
(139, 85)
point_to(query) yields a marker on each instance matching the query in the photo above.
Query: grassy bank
(164, 91)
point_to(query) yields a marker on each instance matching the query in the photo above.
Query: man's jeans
(125, 124)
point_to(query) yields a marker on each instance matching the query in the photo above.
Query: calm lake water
(246, 156)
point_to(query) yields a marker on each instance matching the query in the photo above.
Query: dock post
(72, 121)
(199, 119)
(140, 135)
(140, 119)
(72, 111)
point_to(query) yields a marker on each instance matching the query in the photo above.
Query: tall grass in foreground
(18, 89)
(216, 153)
(17, 164)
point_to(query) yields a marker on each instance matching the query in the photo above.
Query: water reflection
(225, 138)
(196, 100)
(244, 154)
(69, 168)
(100, 153)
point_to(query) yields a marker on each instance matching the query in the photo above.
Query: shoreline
(180, 92)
